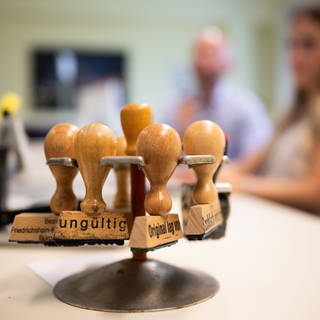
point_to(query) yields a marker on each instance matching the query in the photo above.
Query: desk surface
(268, 267)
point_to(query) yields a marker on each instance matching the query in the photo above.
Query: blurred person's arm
(255, 128)
(302, 193)
(249, 164)
(253, 139)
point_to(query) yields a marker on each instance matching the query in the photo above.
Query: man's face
(208, 58)
(304, 52)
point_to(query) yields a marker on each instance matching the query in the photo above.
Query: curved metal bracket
(62, 162)
(121, 161)
(124, 161)
(197, 160)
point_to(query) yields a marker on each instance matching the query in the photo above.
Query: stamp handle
(93, 142)
(160, 146)
(204, 137)
(59, 142)
(134, 118)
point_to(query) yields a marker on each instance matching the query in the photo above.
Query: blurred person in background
(239, 112)
(288, 169)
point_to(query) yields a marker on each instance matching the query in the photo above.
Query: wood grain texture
(203, 218)
(59, 142)
(204, 137)
(77, 225)
(33, 227)
(154, 231)
(93, 142)
(186, 201)
(134, 118)
(122, 197)
(160, 146)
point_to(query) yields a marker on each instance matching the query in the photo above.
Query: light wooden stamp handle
(204, 137)
(93, 142)
(59, 142)
(134, 118)
(160, 146)
(122, 199)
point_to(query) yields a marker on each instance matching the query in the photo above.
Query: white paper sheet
(54, 271)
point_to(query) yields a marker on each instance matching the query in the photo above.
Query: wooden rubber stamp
(93, 224)
(206, 138)
(59, 142)
(160, 147)
(39, 227)
(134, 118)
(92, 143)
(122, 173)
(224, 190)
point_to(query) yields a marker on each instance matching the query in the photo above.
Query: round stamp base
(136, 286)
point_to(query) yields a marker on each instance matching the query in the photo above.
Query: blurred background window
(58, 75)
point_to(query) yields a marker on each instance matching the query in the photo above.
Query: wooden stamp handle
(160, 147)
(204, 137)
(59, 142)
(134, 118)
(158, 200)
(93, 142)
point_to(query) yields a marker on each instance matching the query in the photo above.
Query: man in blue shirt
(239, 112)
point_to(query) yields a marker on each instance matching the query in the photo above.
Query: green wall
(156, 35)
